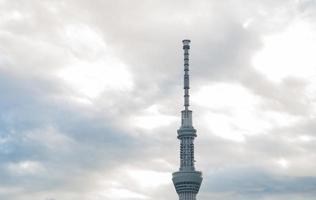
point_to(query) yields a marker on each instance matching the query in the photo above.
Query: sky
(91, 94)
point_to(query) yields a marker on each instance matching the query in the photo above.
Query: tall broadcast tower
(187, 181)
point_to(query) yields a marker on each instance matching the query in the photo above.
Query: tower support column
(187, 180)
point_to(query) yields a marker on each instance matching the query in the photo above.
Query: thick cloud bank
(90, 96)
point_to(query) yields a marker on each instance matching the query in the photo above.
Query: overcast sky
(91, 94)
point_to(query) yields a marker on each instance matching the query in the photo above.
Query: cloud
(249, 183)
(90, 94)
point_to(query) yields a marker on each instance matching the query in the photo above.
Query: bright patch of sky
(289, 53)
(149, 178)
(90, 79)
(152, 118)
(233, 112)
(118, 194)
(93, 68)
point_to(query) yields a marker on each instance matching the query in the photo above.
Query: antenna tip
(186, 41)
(186, 44)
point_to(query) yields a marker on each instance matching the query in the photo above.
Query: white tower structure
(187, 181)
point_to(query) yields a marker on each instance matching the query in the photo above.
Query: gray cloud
(249, 183)
(53, 147)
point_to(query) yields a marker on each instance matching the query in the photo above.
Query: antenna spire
(186, 47)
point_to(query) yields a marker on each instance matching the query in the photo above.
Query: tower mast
(187, 180)
(186, 47)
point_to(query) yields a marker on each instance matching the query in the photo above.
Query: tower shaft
(187, 181)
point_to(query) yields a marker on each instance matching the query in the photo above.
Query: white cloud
(92, 78)
(282, 162)
(152, 118)
(25, 167)
(81, 81)
(119, 193)
(233, 111)
(149, 178)
(93, 68)
(288, 53)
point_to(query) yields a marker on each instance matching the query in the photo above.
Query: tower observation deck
(187, 180)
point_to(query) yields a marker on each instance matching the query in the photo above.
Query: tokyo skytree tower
(187, 180)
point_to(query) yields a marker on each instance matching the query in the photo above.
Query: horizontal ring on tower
(187, 182)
